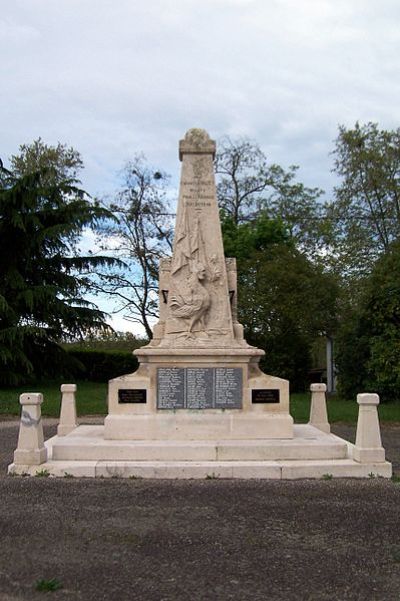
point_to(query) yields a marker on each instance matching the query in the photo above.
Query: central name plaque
(199, 388)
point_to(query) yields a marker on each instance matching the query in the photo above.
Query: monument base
(311, 453)
(202, 394)
(198, 425)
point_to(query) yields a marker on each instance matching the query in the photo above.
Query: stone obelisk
(198, 289)
(198, 378)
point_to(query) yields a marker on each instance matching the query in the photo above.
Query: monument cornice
(196, 141)
(170, 353)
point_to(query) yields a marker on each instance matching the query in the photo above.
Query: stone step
(87, 443)
(269, 470)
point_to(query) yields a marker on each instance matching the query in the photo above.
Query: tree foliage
(284, 301)
(368, 345)
(242, 240)
(107, 340)
(55, 164)
(248, 184)
(41, 276)
(243, 178)
(363, 250)
(140, 235)
(365, 215)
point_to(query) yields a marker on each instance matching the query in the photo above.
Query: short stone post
(318, 412)
(30, 449)
(368, 445)
(68, 420)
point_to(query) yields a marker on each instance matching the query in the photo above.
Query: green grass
(339, 410)
(42, 474)
(48, 585)
(91, 400)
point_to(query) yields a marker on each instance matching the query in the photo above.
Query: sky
(114, 78)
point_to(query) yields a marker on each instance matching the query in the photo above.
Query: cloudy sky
(117, 77)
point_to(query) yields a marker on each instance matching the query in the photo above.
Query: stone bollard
(30, 449)
(318, 412)
(368, 445)
(68, 420)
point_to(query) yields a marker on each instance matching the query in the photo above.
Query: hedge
(101, 366)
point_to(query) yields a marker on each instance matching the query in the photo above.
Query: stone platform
(311, 453)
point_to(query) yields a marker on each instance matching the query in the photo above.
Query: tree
(247, 184)
(140, 235)
(41, 276)
(366, 212)
(55, 164)
(284, 301)
(242, 240)
(243, 177)
(369, 339)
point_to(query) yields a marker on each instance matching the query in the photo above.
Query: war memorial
(199, 406)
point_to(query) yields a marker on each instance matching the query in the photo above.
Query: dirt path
(200, 540)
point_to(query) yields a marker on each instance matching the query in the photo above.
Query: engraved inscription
(200, 183)
(132, 395)
(228, 387)
(265, 395)
(199, 388)
(170, 388)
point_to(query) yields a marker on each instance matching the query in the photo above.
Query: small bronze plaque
(132, 395)
(265, 395)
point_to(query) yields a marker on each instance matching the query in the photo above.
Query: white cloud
(12, 33)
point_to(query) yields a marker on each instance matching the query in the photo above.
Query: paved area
(199, 540)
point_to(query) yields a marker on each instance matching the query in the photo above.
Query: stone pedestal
(68, 421)
(30, 449)
(368, 445)
(318, 412)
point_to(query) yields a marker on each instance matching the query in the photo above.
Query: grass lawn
(339, 410)
(91, 400)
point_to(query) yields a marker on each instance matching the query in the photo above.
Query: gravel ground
(200, 540)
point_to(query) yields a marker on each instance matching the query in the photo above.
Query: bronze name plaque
(132, 395)
(265, 395)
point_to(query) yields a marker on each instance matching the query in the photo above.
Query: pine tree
(41, 274)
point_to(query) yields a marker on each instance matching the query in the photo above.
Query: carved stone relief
(196, 303)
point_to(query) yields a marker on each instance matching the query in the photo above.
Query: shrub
(101, 366)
